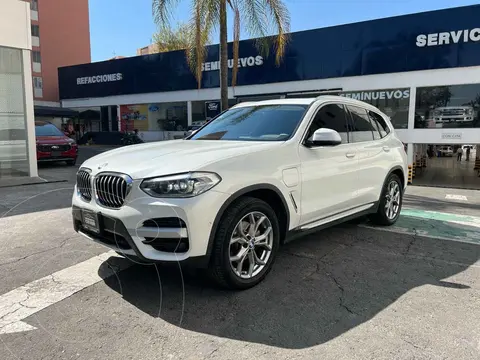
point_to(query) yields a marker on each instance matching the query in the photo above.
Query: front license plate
(56, 153)
(90, 221)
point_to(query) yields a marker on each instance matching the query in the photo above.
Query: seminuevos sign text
(378, 95)
(242, 62)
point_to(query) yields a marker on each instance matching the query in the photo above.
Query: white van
(445, 150)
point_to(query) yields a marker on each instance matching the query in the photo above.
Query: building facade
(17, 133)
(423, 70)
(60, 32)
(148, 50)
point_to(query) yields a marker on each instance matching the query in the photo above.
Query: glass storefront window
(168, 116)
(13, 134)
(393, 102)
(450, 106)
(199, 109)
(88, 120)
(134, 117)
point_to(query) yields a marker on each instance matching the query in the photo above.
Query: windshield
(254, 123)
(47, 130)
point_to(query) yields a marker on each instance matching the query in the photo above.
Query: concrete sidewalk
(56, 172)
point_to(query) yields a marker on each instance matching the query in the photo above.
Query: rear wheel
(390, 203)
(245, 244)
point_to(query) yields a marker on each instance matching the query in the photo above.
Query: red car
(53, 145)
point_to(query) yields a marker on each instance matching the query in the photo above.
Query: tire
(235, 219)
(382, 216)
(71, 162)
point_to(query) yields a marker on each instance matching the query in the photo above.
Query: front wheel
(390, 203)
(245, 244)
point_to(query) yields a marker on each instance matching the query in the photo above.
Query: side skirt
(299, 232)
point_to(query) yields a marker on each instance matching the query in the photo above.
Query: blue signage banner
(447, 38)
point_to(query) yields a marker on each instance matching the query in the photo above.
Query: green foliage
(171, 39)
(267, 20)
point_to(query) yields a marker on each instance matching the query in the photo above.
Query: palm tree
(171, 39)
(261, 18)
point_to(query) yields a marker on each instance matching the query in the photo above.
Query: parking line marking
(29, 299)
(456, 197)
(441, 216)
(435, 225)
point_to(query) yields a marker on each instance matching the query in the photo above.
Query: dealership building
(422, 70)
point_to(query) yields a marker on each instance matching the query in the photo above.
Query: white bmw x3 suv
(226, 197)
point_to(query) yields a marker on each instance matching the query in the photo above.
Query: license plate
(56, 153)
(90, 221)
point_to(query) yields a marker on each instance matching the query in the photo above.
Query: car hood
(53, 140)
(171, 157)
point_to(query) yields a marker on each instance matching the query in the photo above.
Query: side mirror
(324, 137)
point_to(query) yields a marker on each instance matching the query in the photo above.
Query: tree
(260, 18)
(169, 39)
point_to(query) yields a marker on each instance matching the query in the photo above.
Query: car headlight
(469, 111)
(181, 185)
(436, 113)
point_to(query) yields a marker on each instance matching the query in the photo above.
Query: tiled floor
(448, 172)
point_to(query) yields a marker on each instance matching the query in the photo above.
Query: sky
(119, 27)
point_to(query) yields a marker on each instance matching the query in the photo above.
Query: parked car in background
(53, 144)
(229, 195)
(195, 126)
(130, 139)
(109, 138)
(453, 114)
(445, 151)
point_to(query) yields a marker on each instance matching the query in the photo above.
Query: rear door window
(362, 128)
(379, 123)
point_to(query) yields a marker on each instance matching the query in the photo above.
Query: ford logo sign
(213, 106)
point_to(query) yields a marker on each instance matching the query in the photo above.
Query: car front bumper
(454, 119)
(180, 230)
(60, 156)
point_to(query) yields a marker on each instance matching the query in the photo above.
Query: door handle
(350, 155)
(386, 149)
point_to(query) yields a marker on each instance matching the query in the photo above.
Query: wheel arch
(266, 192)
(399, 171)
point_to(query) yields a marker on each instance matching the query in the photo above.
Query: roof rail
(243, 103)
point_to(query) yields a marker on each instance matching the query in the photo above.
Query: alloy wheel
(251, 245)
(392, 200)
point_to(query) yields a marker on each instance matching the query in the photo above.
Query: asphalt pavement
(350, 292)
